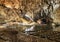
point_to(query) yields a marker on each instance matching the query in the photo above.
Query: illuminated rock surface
(18, 15)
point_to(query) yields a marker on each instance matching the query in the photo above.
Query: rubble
(37, 18)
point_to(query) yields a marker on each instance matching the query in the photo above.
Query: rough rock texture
(12, 13)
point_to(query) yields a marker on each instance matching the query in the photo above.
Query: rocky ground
(13, 23)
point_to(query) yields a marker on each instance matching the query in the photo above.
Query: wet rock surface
(12, 35)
